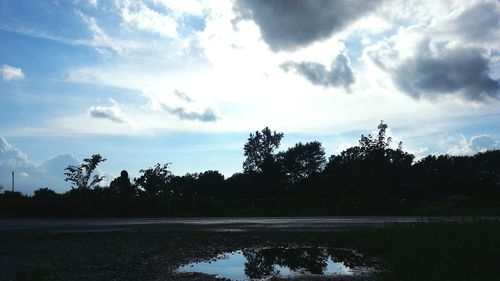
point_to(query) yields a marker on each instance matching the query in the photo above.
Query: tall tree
(302, 161)
(372, 168)
(156, 181)
(209, 184)
(259, 150)
(80, 175)
(370, 144)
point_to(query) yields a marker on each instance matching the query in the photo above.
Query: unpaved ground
(217, 224)
(148, 253)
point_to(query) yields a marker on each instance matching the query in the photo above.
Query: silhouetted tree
(240, 185)
(80, 175)
(260, 164)
(45, 194)
(487, 167)
(209, 184)
(156, 181)
(46, 202)
(370, 143)
(185, 186)
(372, 169)
(437, 177)
(369, 178)
(259, 150)
(302, 161)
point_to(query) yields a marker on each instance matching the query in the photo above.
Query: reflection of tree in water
(261, 263)
(346, 256)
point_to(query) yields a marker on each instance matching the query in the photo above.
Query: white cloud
(473, 145)
(94, 3)
(345, 145)
(236, 71)
(114, 113)
(473, 24)
(10, 73)
(100, 40)
(11, 156)
(228, 67)
(31, 175)
(137, 15)
(191, 7)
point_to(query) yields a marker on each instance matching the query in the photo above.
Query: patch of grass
(33, 274)
(435, 251)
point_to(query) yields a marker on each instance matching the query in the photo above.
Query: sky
(185, 82)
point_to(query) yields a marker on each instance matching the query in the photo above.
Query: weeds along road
(217, 224)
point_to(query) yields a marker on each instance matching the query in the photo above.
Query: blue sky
(185, 82)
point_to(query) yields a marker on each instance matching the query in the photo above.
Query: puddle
(263, 263)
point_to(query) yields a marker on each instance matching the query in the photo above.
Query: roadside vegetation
(435, 251)
(373, 178)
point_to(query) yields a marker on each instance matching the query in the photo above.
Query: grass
(436, 251)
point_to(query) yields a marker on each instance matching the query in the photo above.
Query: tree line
(372, 177)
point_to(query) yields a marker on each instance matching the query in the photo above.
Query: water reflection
(257, 264)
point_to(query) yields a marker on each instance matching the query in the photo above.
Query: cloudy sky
(185, 82)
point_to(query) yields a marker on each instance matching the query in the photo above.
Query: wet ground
(154, 249)
(149, 254)
(210, 224)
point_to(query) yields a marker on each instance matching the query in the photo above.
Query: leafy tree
(156, 181)
(45, 194)
(209, 183)
(80, 175)
(370, 143)
(199, 185)
(438, 177)
(185, 186)
(487, 166)
(259, 150)
(239, 185)
(372, 169)
(302, 161)
(376, 150)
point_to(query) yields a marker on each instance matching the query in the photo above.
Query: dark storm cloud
(110, 113)
(340, 73)
(208, 115)
(479, 23)
(287, 25)
(463, 70)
